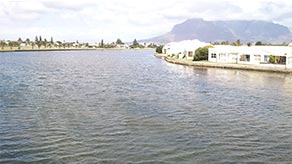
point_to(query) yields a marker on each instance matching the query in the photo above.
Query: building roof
(186, 45)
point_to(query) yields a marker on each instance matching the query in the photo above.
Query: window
(245, 58)
(257, 58)
(190, 54)
(213, 55)
(267, 58)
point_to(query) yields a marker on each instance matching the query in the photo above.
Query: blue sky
(93, 20)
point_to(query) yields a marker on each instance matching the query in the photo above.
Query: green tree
(272, 59)
(258, 43)
(11, 44)
(27, 41)
(201, 53)
(59, 44)
(101, 44)
(135, 43)
(119, 41)
(45, 43)
(159, 49)
(238, 42)
(32, 45)
(52, 41)
(38, 42)
(2, 44)
(19, 40)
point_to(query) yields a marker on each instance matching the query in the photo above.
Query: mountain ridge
(230, 30)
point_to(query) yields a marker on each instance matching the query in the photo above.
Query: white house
(123, 46)
(251, 55)
(184, 48)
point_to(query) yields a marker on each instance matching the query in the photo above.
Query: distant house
(93, 45)
(183, 49)
(123, 46)
(281, 55)
(76, 44)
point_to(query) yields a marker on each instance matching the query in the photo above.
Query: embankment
(261, 67)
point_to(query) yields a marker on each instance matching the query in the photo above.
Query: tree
(52, 41)
(224, 43)
(32, 45)
(27, 42)
(159, 49)
(135, 43)
(272, 59)
(19, 40)
(238, 42)
(101, 45)
(119, 41)
(248, 44)
(2, 44)
(38, 42)
(45, 43)
(59, 44)
(258, 43)
(201, 53)
(40, 39)
(11, 44)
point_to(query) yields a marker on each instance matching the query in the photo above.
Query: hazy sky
(93, 20)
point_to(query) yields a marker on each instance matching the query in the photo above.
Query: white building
(123, 46)
(251, 55)
(184, 48)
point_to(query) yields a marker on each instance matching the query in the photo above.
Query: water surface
(130, 107)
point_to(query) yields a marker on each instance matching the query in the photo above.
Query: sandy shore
(262, 67)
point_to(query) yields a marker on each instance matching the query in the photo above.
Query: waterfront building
(183, 49)
(280, 55)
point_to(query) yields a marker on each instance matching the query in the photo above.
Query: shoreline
(66, 49)
(262, 68)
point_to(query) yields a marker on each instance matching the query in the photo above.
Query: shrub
(159, 49)
(272, 59)
(201, 53)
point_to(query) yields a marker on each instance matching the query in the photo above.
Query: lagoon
(127, 106)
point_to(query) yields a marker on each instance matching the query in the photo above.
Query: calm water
(130, 107)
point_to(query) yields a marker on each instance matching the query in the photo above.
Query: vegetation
(239, 43)
(43, 43)
(258, 43)
(135, 44)
(159, 49)
(272, 59)
(119, 41)
(201, 53)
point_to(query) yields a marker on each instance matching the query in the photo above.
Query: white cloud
(93, 20)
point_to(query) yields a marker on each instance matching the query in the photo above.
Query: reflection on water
(130, 107)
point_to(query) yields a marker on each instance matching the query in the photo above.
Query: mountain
(210, 31)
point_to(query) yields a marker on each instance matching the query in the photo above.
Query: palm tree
(2, 44)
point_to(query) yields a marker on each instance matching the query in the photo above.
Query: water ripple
(130, 107)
